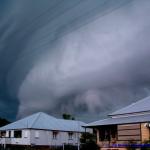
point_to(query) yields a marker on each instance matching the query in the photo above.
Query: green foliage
(144, 147)
(88, 141)
(68, 116)
(146, 142)
(87, 137)
(131, 144)
(70, 147)
(3, 122)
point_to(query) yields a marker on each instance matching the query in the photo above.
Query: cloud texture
(86, 58)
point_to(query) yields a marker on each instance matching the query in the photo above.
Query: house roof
(140, 106)
(121, 120)
(134, 109)
(45, 122)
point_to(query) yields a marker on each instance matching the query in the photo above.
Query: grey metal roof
(43, 121)
(121, 120)
(140, 106)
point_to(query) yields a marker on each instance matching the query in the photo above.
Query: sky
(87, 58)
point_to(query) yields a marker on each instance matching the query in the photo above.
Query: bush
(146, 142)
(70, 147)
(131, 144)
(89, 146)
(88, 141)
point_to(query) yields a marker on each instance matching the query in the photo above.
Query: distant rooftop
(122, 120)
(136, 109)
(140, 106)
(44, 121)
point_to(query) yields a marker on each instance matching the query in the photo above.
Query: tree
(88, 141)
(68, 116)
(3, 122)
(131, 145)
(146, 145)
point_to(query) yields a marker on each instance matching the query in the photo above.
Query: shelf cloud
(86, 58)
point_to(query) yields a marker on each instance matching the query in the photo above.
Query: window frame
(70, 135)
(37, 134)
(18, 135)
(3, 134)
(55, 135)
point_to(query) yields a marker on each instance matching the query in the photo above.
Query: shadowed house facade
(41, 130)
(129, 126)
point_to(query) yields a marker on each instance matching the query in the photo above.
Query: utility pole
(78, 142)
(78, 136)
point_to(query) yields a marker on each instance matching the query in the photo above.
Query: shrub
(146, 142)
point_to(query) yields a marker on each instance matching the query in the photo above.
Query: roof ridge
(36, 119)
(41, 120)
(128, 106)
(79, 121)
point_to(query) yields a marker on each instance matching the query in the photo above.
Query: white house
(43, 130)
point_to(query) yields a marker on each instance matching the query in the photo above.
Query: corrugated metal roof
(140, 106)
(121, 120)
(43, 121)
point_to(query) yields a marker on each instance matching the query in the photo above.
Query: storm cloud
(84, 57)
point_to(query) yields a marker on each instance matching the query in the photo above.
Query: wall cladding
(129, 132)
(145, 132)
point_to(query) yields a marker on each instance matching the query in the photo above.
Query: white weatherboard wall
(25, 140)
(63, 138)
(41, 137)
(46, 138)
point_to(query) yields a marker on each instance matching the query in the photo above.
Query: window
(25, 134)
(36, 134)
(102, 134)
(70, 135)
(18, 134)
(3, 133)
(107, 133)
(55, 133)
(9, 134)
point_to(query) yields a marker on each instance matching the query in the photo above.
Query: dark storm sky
(84, 57)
